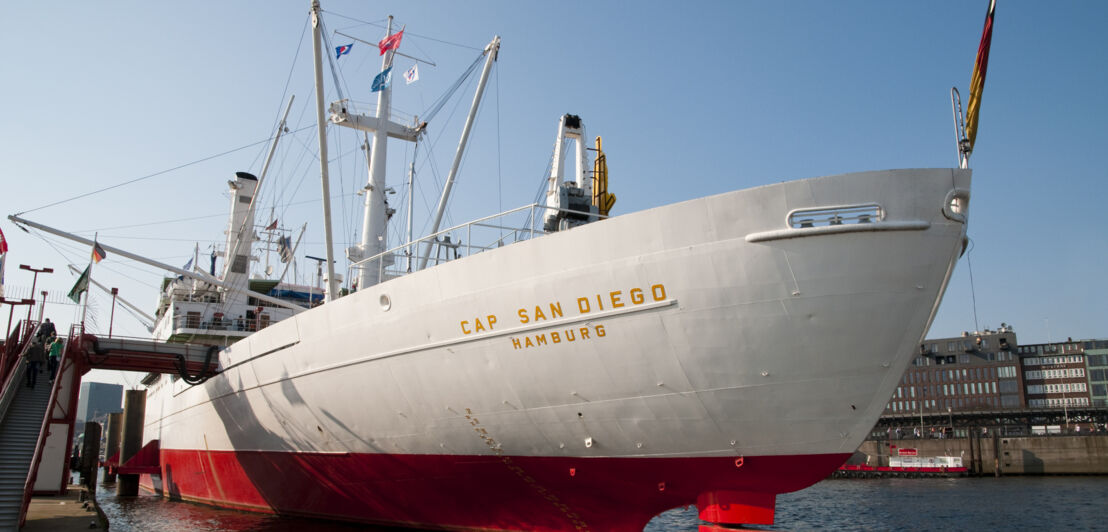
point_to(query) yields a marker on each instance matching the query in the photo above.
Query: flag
(391, 42)
(81, 286)
(271, 226)
(284, 248)
(187, 267)
(412, 74)
(3, 243)
(98, 252)
(381, 82)
(977, 81)
(343, 50)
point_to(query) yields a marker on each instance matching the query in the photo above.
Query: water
(1012, 503)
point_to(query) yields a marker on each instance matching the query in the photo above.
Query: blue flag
(381, 82)
(343, 50)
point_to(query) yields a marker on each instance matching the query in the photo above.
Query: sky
(125, 120)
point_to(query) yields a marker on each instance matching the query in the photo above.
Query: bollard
(134, 412)
(115, 431)
(90, 455)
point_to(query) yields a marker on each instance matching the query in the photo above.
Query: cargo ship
(586, 372)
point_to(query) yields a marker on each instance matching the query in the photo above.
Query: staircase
(19, 432)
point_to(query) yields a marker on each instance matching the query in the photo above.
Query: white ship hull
(703, 352)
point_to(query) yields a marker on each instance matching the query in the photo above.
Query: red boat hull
(488, 492)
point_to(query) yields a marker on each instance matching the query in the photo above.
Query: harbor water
(1011, 503)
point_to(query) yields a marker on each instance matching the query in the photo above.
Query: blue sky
(691, 99)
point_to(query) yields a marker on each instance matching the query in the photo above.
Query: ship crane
(584, 198)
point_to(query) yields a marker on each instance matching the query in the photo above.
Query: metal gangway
(37, 424)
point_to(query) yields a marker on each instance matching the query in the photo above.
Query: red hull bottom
(488, 492)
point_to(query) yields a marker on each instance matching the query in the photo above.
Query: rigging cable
(148, 176)
(973, 292)
(438, 104)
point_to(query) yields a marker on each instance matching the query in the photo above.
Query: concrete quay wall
(1022, 455)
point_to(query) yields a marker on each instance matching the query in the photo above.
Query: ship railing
(482, 234)
(218, 322)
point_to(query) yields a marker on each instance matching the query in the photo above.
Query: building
(973, 372)
(97, 400)
(1055, 374)
(1096, 358)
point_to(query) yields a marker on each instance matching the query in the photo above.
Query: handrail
(528, 230)
(40, 443)
(14, 345)
(11, 387)
(12, 372)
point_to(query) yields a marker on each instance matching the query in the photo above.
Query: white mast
(410, 251)
(373, 223)
(490, 56)
(321, 123)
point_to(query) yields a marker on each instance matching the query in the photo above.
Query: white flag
(412, 74)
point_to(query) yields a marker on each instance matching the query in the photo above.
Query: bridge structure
(37, 424)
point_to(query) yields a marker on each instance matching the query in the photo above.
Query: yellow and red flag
(977, 81)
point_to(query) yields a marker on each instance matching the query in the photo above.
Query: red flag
(3, 242)
(391, 42)
(977, 80)
(271, 226)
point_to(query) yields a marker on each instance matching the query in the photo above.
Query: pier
(37, 424)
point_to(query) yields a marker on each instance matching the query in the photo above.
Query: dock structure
(37, 424)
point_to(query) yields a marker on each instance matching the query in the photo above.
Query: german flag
(977, 81)
(98, 252)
